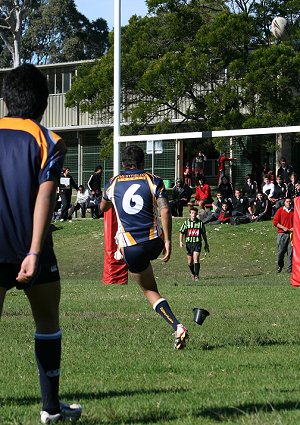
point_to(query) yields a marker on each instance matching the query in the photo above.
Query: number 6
(132, 204)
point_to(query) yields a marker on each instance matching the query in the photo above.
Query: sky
(94, 9)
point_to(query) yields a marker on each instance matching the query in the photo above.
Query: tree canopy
(48, 31)
(212, 64)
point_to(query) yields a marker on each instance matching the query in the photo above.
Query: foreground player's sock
(162, 307)
(191, 266)
(197, 269)
(47, 354)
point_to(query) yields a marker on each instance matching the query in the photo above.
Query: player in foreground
(136, 195)
(31, 159)
(193, 230)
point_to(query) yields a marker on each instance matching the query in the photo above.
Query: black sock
(47, 354)
(197, 269)
(191, 266)
(163, 309)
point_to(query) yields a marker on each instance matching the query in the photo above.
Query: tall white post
(117, 83)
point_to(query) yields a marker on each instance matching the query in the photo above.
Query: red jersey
(283, 217)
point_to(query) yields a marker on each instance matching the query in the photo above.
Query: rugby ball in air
(279, 28)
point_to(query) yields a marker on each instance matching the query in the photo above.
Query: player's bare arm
(166, 222)
(105, 205)
(42, 216)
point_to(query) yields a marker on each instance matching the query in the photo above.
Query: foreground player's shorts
(47, 272)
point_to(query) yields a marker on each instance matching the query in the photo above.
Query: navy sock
(191, 266)
(163, 309)
(197, 269)
(48, 354)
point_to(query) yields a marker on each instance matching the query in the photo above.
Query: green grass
(241, 367)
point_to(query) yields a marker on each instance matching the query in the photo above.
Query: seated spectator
(93, 202)
(202, 213)
(280, 191)
(80, 203)
(266, 171)
(203, 192)
(224, 215)
(188, 174)
(250, 189)
(216, 208)
(268, 187)
(239, 204)
(225, 188)
(260, 209)
(291, 187)
(181, 195)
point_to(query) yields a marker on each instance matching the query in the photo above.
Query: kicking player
(31, 159)
(136, 195)
(194, 230)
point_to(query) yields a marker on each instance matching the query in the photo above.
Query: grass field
(241, 367)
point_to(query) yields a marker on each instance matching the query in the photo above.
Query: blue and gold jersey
(29, 156)
(134, 195)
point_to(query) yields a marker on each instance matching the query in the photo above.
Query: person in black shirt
(181, 195)
(285, 170)
(95, 180)
(65, 190)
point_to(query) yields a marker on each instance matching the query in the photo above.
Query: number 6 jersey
(134, 195)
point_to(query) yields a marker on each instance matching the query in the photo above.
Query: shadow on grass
(100, 395)
(223, 414)
(248, 342)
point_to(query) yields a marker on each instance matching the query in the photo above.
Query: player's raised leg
(148, 284)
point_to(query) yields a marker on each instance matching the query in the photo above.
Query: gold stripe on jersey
(154, 227)
(29, 126)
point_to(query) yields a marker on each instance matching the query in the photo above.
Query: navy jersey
(29, 156)
(134, 195)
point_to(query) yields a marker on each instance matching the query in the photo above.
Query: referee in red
(283, 220)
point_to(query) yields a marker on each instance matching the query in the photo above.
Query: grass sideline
(241, 367)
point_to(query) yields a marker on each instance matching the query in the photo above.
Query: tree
(208, 63)
(47, 31)
(13, 15)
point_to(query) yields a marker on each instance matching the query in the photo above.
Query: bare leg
(44, 300)
(2, 297)
(147, 282)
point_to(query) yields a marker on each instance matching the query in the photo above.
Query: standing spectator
(250, 189)
(221, 165)
(283, 220)
(65, 191)
(292, 186)
(203, 192)
(137, 196)
(260, 209)
(198, 165)
(225, 187)
(194, 231)
(27, 259)
(285, 170)
(80, 203)
(181, 195)
(188, 174)
(95, 180)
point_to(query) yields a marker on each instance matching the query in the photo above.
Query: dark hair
(99, 167)
(133, 157)
(194, 209)
(25, 92)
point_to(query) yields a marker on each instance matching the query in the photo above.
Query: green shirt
(193, 230)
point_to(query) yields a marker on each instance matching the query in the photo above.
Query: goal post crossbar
(212, 134)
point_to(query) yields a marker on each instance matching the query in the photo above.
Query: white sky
(94, 9)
